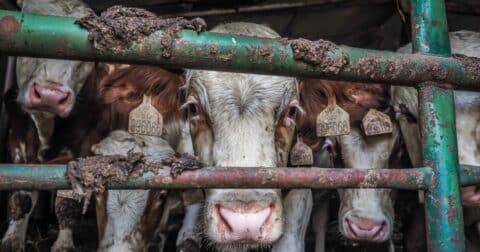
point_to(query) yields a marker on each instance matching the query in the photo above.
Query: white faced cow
(247, 120)
(364, 214)
(47, 90)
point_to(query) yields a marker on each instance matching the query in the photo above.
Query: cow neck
(45, 125)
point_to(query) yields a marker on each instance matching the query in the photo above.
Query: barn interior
(375, 24)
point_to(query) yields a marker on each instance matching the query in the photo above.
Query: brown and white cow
(246, 120)
(405, 100)
(364, 214)
(121, 89)
(47, 91)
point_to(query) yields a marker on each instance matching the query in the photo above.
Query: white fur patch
(125, 209)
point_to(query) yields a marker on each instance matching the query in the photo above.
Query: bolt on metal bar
(445, 230)
(58, 37)
(52, 177)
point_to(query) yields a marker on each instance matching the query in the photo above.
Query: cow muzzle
(366, 229)
(51, 98)
(248, 222)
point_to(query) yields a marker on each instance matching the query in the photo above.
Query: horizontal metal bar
(58, 37)
(49, 177)
(469, 175)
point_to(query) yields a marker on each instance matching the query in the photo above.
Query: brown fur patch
(355, 98)
(122, 90)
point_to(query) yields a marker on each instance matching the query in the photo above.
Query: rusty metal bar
(58, 37)
(443, 206)
(51, 177)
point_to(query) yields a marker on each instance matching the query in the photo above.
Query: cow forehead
(71, 71)
(240, 94)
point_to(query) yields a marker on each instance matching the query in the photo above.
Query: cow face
(366, 214)
(49, 85)
(241, 120)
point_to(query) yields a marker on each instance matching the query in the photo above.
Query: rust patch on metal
(117, 27)
(452, 210)
(9, 26)
(371, 179)
(227, 57)
(266, 53)
(318, 53)
(471, 64)
(213, 49)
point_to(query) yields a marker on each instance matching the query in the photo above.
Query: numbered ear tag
(333, 121)
(145, 119)
(301, 154)
(376, 123)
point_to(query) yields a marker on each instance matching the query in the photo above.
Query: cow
(405, 102)
(364, 214)
(247, 120)
(129, 212)
(121, 89)
(47, 94)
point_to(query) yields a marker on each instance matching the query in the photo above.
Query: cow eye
(294, 108)
(191, 107)
(292, 112)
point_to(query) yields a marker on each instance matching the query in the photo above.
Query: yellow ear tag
(145, 119)
(333, 120)
(376, 123)
(301, 154)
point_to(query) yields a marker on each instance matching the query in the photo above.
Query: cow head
(364, 214)
(49, 85)
(242, 120)
(121, 89)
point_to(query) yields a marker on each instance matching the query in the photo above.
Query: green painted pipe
(443, 206)
(58, 37)
(52, 177)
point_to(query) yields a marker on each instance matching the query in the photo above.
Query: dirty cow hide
(467, 112)
(47, 92)
(364, 214)
(246, 120)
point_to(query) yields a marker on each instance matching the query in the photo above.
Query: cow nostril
(64, 99)
(36, 93)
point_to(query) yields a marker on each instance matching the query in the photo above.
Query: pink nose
(51, 98)
(244, 225)
(366, 229)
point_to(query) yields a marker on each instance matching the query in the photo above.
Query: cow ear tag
(301, 154)
(333, 120)
(145, 119)
(376, 123)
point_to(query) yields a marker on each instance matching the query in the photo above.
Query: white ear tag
(301, 154)
(333, 120)
(145, 119)
(376, 123)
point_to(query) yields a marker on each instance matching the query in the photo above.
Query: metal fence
(58, 37)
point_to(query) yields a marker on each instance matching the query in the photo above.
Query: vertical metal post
(444, 217)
